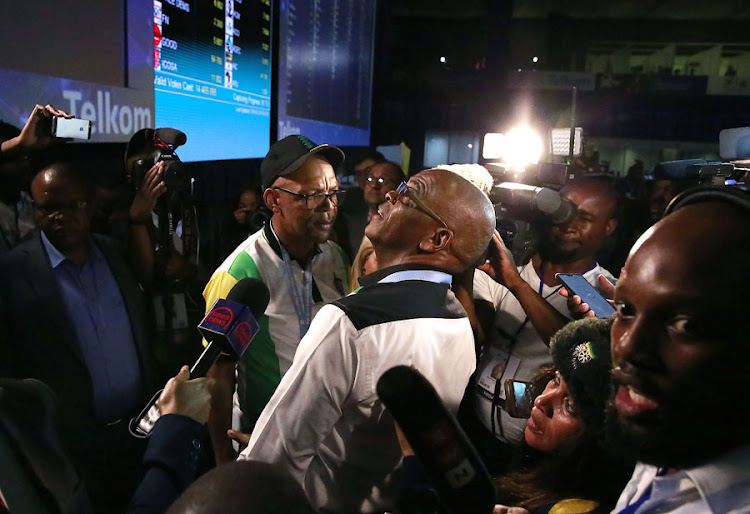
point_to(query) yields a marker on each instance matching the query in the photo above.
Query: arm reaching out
(37, 133)
(501, 267)
(578, 309)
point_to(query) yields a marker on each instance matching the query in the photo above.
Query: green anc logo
(309, 144)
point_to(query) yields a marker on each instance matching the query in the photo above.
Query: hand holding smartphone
(579, 286)
(71, 128)
(518, 400)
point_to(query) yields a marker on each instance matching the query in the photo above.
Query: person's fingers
(486, 267)
(42, 111)
(184, 374)
(606, 287)
(50, 110)
(589, 314)
(577, 300)
(241, 438)
(564, 292)
(157, 191)
(152, 175)
(203, 382)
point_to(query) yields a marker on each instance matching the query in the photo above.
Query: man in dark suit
(72, 316)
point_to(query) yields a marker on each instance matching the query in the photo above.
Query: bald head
(466, 210)
(59, 175)
(706, 242)
(440, 220)
(242, 487)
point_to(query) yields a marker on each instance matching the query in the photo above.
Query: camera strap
(302, 300)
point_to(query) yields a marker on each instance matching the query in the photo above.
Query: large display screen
(212, 75)
(325, 70)
(200, 66)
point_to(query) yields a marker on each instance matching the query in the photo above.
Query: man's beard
(550, 252)
(678, 437)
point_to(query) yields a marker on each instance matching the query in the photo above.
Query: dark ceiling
(584, 9)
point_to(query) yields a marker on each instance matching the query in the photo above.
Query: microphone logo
(221, 316)
(230, 324)
(243, 333)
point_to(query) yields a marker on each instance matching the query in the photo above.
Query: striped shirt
(270, 356)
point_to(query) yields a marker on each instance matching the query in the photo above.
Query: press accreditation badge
(495, 365)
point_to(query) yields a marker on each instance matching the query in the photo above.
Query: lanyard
(302, 300)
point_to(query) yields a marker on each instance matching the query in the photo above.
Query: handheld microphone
(229, 327)
(441, 445)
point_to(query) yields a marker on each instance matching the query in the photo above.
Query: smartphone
(73, 127)
(578, 285)
(518, 400)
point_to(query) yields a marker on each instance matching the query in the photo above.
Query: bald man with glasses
(325, 424)
(302, 269)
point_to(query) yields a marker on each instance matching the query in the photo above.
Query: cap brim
(333, 155)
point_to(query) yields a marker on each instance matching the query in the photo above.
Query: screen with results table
(212, 76)
(325, 70)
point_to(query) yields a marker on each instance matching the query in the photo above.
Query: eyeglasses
(403, 190)
(63, 208)
(315, 201)
(380, 181)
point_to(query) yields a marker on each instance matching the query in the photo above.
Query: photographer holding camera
(519, 309)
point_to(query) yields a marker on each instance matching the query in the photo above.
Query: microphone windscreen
(438, 441)
(251, 292)
(172, 137)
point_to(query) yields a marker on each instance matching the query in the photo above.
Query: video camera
(703, 172)
(734, 145)
(525, 190)
(528, 203)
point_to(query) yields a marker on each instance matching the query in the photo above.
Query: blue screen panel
(212, 76)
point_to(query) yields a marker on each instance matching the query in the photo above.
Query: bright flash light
(493, 145)
(443, 59)
(535, 59)
(522, 146)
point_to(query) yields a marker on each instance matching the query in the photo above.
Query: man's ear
(436, 242)
(611, 226)
(271, 199)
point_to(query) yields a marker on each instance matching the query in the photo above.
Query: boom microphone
(228, 327)
(441, 445)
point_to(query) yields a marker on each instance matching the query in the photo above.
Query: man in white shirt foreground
(325, 424)
(682, 359)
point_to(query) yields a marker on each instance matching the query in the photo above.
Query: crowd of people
(617, 416)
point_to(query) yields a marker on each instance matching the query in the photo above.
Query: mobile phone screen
(518, 396)
(578, 285)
